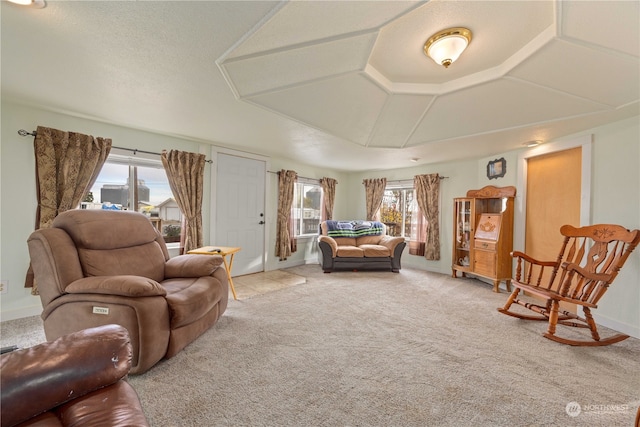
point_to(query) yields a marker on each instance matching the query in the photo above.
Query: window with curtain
(131, 183)
(306, 210)
(399, 210)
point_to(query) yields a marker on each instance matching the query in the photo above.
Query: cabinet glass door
(463, 233)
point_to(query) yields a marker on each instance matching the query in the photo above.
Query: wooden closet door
(553, 199)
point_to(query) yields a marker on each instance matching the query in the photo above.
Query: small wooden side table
(223, 251)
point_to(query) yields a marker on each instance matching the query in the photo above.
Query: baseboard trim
(625, 328)
(285, 264)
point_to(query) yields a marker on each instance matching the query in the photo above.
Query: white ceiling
(338, 84)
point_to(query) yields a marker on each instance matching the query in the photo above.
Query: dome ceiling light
(38, 4)
(533, 143)
(446, 46)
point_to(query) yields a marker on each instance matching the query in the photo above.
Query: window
(399, 210)
(138, 184)
(306, 208)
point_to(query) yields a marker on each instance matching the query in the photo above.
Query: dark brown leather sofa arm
(68, 380)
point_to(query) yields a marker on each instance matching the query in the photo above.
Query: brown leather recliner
(97, 267)
(78, 379)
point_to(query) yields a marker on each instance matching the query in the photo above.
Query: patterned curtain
(328, 197)
(67, 165)
(185, 172)
(285, 240)
(374, 193)
(428, 195)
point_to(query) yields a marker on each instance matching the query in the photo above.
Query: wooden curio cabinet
(483, 234)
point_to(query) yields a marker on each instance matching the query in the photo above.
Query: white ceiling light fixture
(446, 46)
(38, 4)
(533, 143)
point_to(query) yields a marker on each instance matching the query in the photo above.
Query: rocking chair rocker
(589, 261)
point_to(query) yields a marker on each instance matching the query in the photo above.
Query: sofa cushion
(375, 251)
(368, 240)
(191, 298)
(350, 251)
(346, 241)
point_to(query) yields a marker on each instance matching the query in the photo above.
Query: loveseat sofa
(358, 245)
(78, 379)
(97, 267)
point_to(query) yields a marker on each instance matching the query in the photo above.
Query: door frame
(585, 142)
(215, 152)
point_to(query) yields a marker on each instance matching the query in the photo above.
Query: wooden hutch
(483, 234)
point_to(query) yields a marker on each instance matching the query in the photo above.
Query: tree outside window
(398, 210)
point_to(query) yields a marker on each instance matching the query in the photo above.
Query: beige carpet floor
(383, 349)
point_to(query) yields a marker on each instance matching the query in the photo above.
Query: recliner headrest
(106, 229)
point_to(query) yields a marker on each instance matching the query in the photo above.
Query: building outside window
(141, 185)
(306, 208)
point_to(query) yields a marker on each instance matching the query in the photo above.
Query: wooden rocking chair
(589, 261)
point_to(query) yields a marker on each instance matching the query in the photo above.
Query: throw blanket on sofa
(354, 228)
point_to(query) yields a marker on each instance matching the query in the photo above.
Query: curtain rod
(400, 181)
(407, 182)
(303, 177)
(135, 151)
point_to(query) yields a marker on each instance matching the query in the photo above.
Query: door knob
(261, 222)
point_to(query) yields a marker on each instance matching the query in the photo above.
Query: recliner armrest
(122, 285)
(191, 265)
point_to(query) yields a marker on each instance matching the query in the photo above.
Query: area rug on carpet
(383, 349)
(250, 285)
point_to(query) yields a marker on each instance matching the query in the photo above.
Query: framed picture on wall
(496, 168)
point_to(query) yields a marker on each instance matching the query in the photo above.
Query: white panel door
(239, 207)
